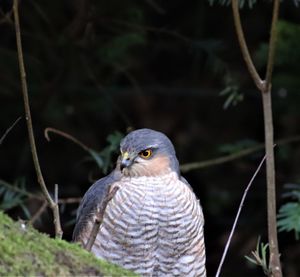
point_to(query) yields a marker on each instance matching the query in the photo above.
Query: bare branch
(220, 160)
(65, 135)
(9, 129)
(231, 157)
(99, 218)
(237, 217)
(274, 259)
(38, 213)
(272, 44)
(243, 45)
(274, 263)
(56, 193)
(52, 204)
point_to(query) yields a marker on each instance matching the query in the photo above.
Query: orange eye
(146, 154)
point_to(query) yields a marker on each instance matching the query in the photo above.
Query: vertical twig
(9, 129)
(243, 45)
(52, 204)
(237, 216)
(99, 218)
(272, 46)
(265, 87)
(56, 193)
(274, 260)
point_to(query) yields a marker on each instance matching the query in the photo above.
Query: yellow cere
(125, 155)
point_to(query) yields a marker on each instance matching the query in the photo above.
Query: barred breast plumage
(153, 226)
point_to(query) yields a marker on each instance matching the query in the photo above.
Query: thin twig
(274, 257)
(52, 204)
(272, 44)
(237, 216)
(38, 213)
(243, 45)
(220, 160)
(56, 193)
(9, 129)
(65, 135)
(99, 218)
(274, 260)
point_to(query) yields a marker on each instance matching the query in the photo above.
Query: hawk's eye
(146, 154)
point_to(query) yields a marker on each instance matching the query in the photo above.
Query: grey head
(145, 152)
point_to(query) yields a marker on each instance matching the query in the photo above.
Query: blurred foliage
(233, 96)
(10, 197)
(288, 218)
(104, 157)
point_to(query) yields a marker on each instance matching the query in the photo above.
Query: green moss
(26, 252)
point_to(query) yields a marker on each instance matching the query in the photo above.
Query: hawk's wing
(91, 200)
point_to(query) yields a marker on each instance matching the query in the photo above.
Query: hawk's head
(146, 152)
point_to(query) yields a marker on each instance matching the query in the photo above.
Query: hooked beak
(126, 161)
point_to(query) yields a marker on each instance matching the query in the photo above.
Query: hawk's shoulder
(91, 200)
(183, 180)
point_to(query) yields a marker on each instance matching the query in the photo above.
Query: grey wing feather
(91, 200)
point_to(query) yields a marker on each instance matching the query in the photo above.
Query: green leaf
(103, 158)
(288, 218)
(11, 198)
(97, 158)
(260, 256)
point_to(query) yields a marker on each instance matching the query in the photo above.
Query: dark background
(95, 68)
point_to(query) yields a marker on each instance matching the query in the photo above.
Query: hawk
(153, 225)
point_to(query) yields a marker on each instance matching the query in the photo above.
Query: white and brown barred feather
(153, 225)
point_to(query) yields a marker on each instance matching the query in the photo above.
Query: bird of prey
(153, 225)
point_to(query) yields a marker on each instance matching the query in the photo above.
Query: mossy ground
(26, 252)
